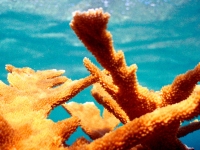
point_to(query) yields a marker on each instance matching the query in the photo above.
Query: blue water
(161, 36)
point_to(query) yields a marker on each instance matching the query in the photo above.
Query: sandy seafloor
(161, 36)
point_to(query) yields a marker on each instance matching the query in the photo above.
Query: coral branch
(92, 32)
(182, 86)
(91, 122)
(151, 127)
(66, 91)
(106, 100)
(184, 130)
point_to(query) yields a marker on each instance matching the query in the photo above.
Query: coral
(26, 103)
(151, 120)
(95, 126)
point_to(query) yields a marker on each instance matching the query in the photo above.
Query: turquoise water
(162, 37)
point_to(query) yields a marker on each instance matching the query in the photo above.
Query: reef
(151, 120)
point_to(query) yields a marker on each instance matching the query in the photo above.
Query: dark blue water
(162, 37)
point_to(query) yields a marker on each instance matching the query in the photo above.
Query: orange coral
(27, 101)
(151, 120)
(95, 126)
(119, 92)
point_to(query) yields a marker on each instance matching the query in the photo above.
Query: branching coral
(27, 101)
(95, 126)
(151, 120)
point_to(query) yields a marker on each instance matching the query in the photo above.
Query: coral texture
(151, 120)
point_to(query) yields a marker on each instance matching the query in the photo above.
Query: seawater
(161, 37)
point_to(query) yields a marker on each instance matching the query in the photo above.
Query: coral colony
(151, 120)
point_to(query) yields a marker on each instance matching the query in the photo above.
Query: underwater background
(161, 36)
